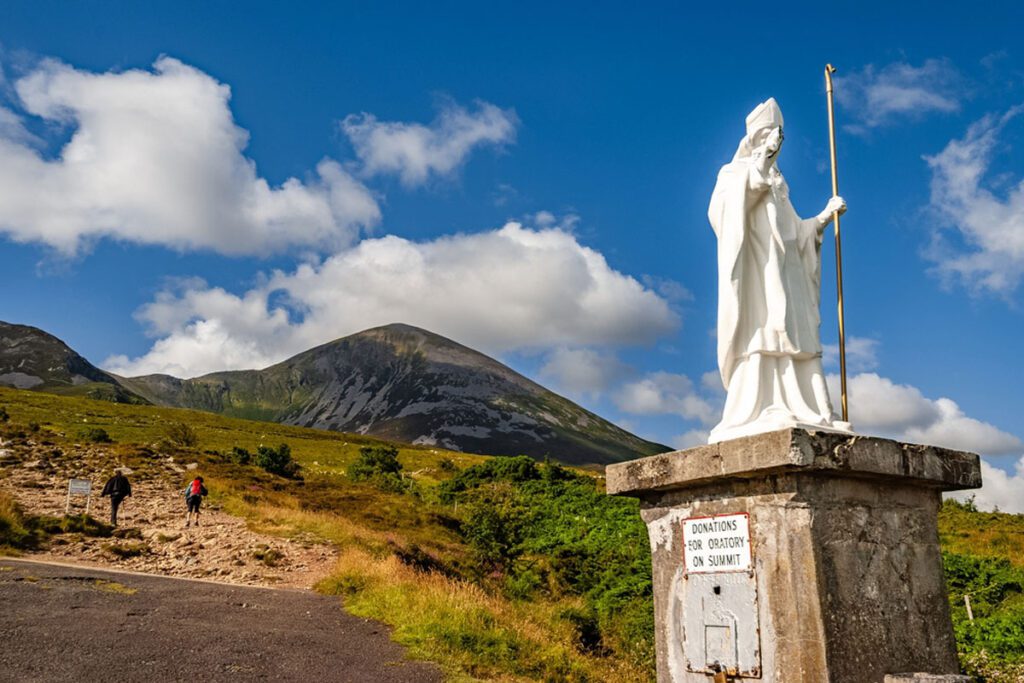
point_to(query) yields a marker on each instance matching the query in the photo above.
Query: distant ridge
(395, 382)
(407, 384)
(33, 359)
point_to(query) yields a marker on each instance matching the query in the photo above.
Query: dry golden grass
(476, 635)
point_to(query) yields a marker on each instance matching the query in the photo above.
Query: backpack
(195, 488)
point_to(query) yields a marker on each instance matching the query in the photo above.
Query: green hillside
(497, 568)
(983, 553)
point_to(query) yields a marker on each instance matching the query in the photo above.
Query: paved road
(71, 624)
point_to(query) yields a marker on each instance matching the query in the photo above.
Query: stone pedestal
(842, 579)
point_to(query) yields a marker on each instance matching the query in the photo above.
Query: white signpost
(717, 544)
(79, 487)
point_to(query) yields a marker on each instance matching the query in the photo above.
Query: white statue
(769, 286)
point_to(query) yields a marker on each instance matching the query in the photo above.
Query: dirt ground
(153, 519)
(73, 624)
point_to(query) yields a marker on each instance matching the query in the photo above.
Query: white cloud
(507, 289)
(881, 407)
(581, 372)
(670, 289)
(712, 381)
(878, 97)
(155, 157)
(990, 228)
(690, 439)
(666, 393)
(416, 152)
(861, 354)
(955, 430)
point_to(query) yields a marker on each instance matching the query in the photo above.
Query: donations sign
(717, 544)
(79, 487)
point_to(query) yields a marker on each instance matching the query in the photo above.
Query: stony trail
(63, 623)
(152, 525)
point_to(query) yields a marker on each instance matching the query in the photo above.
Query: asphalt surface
(71, 624)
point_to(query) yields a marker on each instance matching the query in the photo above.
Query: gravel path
(61, 623)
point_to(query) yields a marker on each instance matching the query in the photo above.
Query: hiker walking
(118, 488)
(194, 493)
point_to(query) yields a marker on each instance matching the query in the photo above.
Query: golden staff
(829, 70)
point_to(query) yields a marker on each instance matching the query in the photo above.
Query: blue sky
(194, 188)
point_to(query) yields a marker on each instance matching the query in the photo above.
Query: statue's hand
(835, 205)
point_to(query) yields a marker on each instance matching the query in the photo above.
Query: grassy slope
(474, 632)
(983, 553)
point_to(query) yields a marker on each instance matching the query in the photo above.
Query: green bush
(277, 460)
(378, 465)
(542, 529)
(240, 455)
(96, 435)
(4, 417)
(995, 588)
(271, 557)
(73, 524)
(15, 531)
(126, 550)
(180, 435)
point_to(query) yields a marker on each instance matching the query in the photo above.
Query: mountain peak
(397, 382)
(31, 358)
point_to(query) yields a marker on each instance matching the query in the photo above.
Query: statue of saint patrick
(769, 290)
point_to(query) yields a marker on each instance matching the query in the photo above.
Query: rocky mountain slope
(407, 384)
(395, 382)
(33, 359)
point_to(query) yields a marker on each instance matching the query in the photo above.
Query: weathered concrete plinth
(845, 578)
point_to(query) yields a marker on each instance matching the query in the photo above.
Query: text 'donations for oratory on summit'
(717, 544)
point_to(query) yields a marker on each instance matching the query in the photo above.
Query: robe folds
(769, 269)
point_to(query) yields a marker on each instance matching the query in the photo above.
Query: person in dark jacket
(194, 493)
(118, 488)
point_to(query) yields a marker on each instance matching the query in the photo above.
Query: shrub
(379, 465)
(447, 465)
(542, 529)
(277, 460)
(267, 555)
(126, 550)
(96, 435)
(996, 590)
(4, 417)
(240, 455)
(181, 435)
(76, 524)
(15, 531)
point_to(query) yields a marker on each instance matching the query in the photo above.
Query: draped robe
(769, 269)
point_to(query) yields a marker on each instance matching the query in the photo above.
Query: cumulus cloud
(416, 152)
(692, 438)
(514, 288)
(582, 372)
(861, 354)
(155, 157)
(666, 393)
(987, 252)
(899, 91)
(880, 406)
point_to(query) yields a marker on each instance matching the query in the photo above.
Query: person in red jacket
(194, 493)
